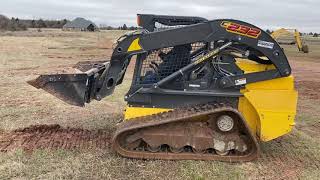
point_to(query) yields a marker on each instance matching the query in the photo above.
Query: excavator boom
(291, 32)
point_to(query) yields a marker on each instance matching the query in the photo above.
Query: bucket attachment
(74, 89)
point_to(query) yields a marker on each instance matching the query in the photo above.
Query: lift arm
(100, 81)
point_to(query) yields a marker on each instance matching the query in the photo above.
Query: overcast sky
(301, 14)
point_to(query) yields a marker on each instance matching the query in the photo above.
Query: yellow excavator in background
(283, 32)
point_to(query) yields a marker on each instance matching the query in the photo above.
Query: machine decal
(241, 29)
(195, 85)
(205, 57)
(240, 81)
(135, 46)
(265, 44)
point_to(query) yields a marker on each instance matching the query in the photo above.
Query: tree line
(124, 27)
(16, 24)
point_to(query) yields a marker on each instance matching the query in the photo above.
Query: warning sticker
(194, 85)
(240, 81)
(265, 44)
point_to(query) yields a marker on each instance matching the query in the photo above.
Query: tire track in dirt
(283, 158)
(54, 137)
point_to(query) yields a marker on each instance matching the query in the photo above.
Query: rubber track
(180, 114)
(53, 137)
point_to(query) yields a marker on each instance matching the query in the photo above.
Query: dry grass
(314, 51)
(24, 55)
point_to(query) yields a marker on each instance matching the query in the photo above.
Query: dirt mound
(54, 137)
(312, 130)
(285, 158)
(309, 89)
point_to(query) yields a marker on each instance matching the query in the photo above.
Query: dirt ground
(80, 147)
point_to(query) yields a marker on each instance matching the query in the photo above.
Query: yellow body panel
(250, 67)
(133, 112)
(134, 46)
(269, 107)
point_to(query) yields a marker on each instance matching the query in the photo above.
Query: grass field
(25, 55)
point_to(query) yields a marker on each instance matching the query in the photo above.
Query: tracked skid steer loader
(202, 90)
